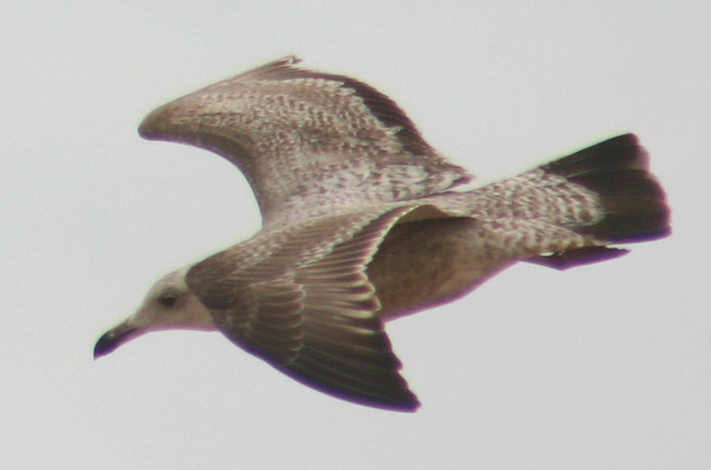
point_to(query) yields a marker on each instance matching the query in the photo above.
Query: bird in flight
(365, 222)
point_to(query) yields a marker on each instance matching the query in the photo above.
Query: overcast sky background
(605, 366)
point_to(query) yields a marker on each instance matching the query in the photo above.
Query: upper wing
(309, 310)
(307, 141)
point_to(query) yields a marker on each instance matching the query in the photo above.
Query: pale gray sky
(605, 366)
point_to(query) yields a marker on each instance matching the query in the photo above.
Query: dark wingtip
(409, 405)
(155, 125)
(394, 397)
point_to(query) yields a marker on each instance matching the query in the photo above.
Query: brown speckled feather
(308, 143)
(362, 225)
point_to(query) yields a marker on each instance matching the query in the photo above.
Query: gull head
(169, 305)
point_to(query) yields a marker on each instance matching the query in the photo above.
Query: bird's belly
(426, 263)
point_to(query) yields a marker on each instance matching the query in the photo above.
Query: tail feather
(633, 201)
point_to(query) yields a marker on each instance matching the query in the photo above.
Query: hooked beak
(114, 338)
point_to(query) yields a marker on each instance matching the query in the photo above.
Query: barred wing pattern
(313, 318)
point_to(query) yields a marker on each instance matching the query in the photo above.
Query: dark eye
(167, 300)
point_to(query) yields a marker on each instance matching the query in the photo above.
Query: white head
(169, 305)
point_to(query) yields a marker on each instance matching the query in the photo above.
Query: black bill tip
(114, 338)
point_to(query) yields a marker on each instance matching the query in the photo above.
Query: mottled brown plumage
(362, 224)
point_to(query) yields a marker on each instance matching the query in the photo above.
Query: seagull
(365, 222)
